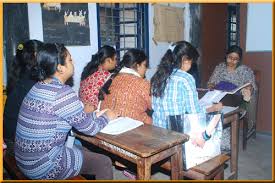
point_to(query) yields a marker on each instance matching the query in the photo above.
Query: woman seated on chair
(127, 92)
(20, 81)
(47, 114)
(230, 75)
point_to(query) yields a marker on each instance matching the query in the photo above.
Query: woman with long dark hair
(127, 92)
(47, 114)
(231, 74)
(20, 81)
(174, 90)
(94, 75)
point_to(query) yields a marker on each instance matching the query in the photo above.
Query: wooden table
(232, 118)
(144, 146)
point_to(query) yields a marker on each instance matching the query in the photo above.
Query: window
(123, 26)
(233, 28)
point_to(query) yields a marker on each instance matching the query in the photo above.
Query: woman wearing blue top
(174, 90)
(47, 114)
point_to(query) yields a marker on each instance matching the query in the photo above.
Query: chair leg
(245, 129)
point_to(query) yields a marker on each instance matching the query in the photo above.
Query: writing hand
(88, 108)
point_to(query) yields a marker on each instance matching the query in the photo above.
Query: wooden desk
(144, 146)
(232, 118)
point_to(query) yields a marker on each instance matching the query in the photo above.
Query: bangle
(205, 136)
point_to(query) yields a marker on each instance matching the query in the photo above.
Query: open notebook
(214, 96)
(121, 125)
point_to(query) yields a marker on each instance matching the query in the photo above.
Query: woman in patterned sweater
(95, 74)
(129, 92)
(232, 73)
(47, 114)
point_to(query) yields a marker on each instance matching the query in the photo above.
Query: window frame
(141, 35)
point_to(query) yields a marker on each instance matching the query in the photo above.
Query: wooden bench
(14, 171)
(211, 169)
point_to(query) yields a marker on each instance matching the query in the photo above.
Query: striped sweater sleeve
(69, 108)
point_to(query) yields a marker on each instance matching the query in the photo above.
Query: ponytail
(105, 88)
(23, 62)
(96, 60)
(165, 69)
(130, 59)
(91, 67)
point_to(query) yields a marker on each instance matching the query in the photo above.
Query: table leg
(176, 164)
(234, 147)
(144, 169)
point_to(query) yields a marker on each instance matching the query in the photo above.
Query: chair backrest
(257, 75)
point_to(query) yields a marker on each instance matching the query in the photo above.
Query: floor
(254, 163)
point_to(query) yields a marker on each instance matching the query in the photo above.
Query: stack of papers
(121, 125)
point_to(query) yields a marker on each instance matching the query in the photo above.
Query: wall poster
(66, 23)
(168, 23)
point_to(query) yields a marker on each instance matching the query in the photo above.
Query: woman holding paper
(230, 75)
(233, 72)
(47, 114)
(174, 92)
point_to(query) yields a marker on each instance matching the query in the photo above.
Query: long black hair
(97, 59)
(48, 59)
(130, 60)
(25, 60)
(171, 60)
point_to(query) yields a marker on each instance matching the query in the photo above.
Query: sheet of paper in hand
(121, 125)
(193, 125)
(214, 96)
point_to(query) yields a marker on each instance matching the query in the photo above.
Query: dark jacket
(13, 103)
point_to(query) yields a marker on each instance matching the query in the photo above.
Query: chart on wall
(66, 23)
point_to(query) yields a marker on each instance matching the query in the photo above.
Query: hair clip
(20, 47)
(172, 47)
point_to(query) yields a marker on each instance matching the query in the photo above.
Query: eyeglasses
(233, 58)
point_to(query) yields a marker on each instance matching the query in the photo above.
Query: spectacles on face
(235, 59)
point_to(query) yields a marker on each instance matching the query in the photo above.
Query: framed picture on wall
(66, 23)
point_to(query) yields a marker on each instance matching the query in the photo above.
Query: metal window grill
(233, 24)
(123, 25)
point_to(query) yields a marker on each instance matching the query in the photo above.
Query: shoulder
(65, 91)
(221, 66)
(245, 68)
(180, 76)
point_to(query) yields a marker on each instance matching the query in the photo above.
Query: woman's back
(179, 97)
(129, 96)
(13, 103)
(41, 133)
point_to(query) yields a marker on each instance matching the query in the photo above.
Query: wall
(262, 61)
(213, 34)
(82, 54)
(157, 51)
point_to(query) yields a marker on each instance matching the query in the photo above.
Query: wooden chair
(14, 171)
(245, 120)
(211, 169)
